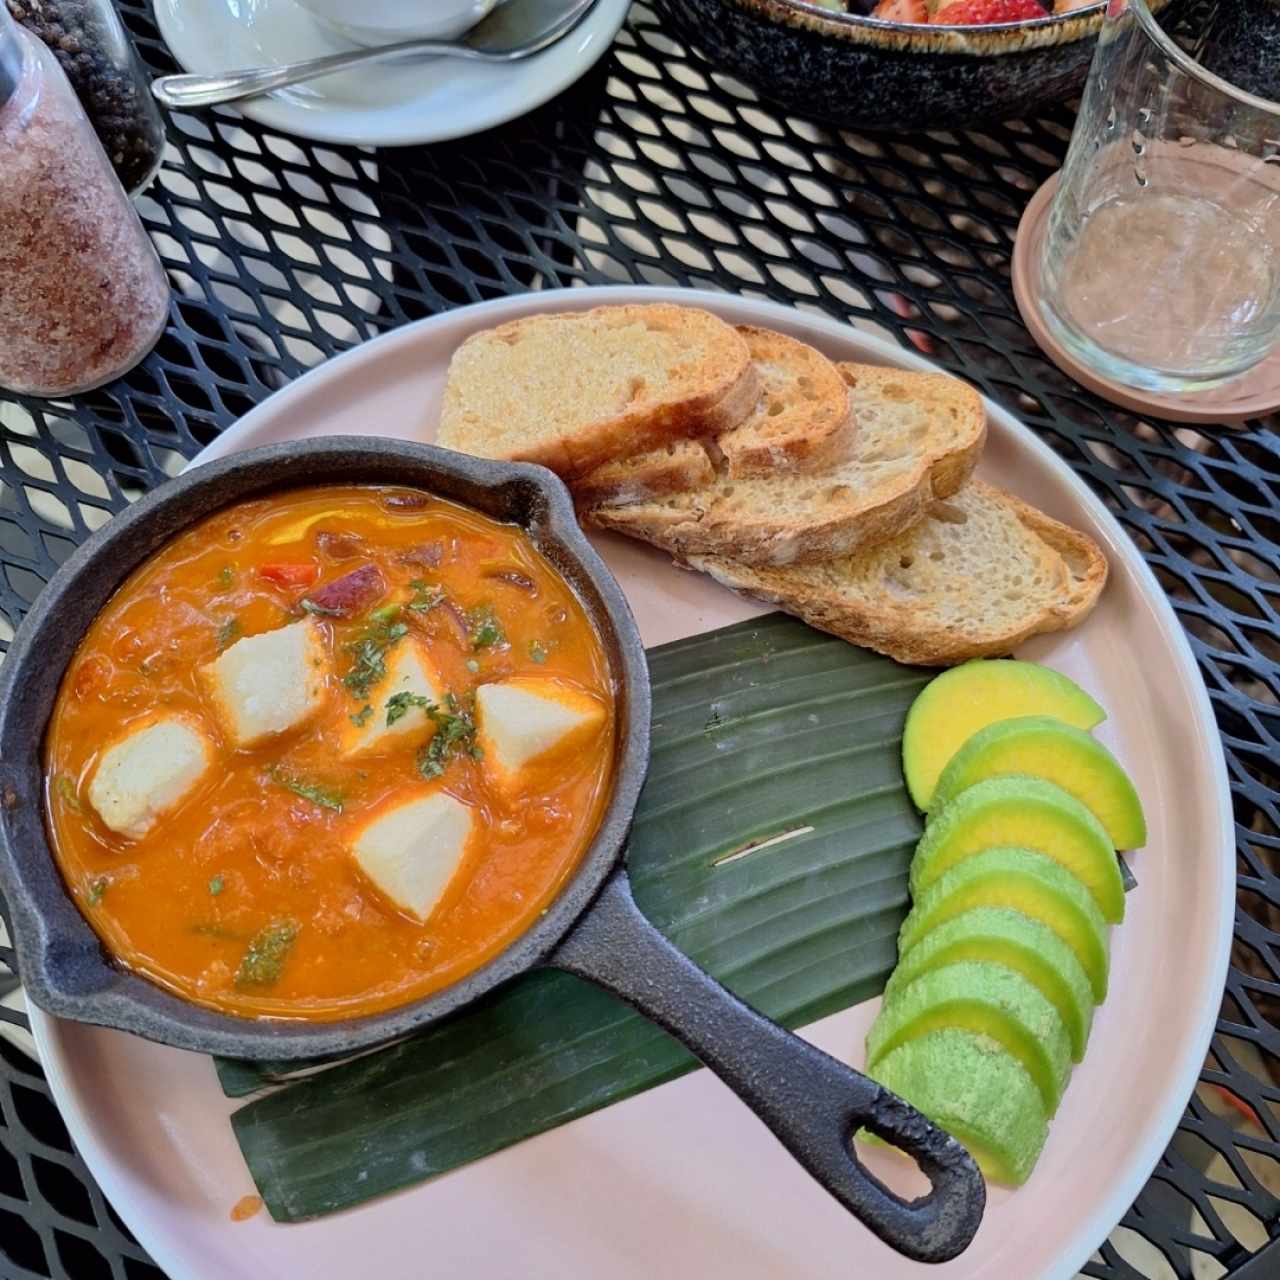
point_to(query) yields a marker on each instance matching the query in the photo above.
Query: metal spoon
(512, 31)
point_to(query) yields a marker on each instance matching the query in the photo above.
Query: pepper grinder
(83, 296)
(89, 41)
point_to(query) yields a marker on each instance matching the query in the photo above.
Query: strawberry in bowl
(964, 13)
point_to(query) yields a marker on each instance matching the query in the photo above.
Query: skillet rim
(65, 967)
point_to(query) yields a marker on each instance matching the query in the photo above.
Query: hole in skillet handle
(813, 1103)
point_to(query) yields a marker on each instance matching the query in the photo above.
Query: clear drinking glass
(1161, 264)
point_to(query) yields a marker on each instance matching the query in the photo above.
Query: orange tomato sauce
(244, 853)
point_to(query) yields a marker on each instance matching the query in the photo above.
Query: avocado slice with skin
(953, 707)
(997, 935)
(1030, 813)
(984, 998)
(968, 1085)
(1060, 753)
(1024, 881)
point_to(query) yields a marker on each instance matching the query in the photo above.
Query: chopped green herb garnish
(425, 596)
(67, 790)
(325, 797)
(216, 885)
(362, 717)
(455, 735)
(97, 889)
(473, 666)
(228, 633)
(384, 614)
(226, 577)
(537, 651)
(399, 704)
(310, 606)
(369, 654)
(268, 949)
(486, 630)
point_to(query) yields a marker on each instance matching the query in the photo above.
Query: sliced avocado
(1000, 936)
(1032, 814)
(1024, 881)
(953, 707)
(986, 998)
(1058, 752)
(968, 1085)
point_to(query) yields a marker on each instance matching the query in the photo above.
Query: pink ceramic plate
(681, 1181)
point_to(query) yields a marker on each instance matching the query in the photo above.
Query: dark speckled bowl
(863, 73)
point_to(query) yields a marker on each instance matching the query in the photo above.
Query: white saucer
(384, 105)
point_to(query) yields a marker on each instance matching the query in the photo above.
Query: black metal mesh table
(656, 168)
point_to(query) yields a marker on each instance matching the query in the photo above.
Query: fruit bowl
(864, 72)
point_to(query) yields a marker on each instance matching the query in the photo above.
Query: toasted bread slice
(803, 421)
(979, 575)
(677, 466)
(574, 390)
(918, 437)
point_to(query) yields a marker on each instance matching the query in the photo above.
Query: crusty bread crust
(802, 420)
(492, 406)
(679, 465)
(798, 519)
(1087, 567)
(919, 632)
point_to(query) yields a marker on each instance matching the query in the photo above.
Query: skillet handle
(813, 1103)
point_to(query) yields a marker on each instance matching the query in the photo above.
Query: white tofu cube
(142, 777)
(268, 683)
(413, 850)
(409, 671)
(526, 720)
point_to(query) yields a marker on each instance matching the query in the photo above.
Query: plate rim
(602, 25)
(1095, 1227)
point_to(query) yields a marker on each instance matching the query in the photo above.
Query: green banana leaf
(761, 731)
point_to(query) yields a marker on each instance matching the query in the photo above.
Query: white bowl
(375, 22)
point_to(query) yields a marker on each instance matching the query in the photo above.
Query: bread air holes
(905, 561)
(775, 408)
(839, 492)
(807, 389)
(894, 391)
(636, 388)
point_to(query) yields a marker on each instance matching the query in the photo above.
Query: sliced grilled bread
(803, 421)
(572, 391)
(979, 575)
(918, 437)
(678, 465)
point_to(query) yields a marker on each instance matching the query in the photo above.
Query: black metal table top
(657, 168)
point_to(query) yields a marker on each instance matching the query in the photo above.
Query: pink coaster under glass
(1252, 395)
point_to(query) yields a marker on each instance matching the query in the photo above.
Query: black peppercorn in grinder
(94, 50)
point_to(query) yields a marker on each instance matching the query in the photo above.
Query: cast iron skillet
(811, 1102)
